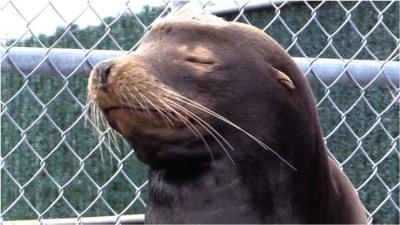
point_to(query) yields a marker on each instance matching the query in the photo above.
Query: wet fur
(195, 180)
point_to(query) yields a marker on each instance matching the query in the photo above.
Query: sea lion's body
(245, 77)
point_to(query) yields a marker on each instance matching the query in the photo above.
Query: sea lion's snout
(102, 71)
(131, 97)
(99, 82)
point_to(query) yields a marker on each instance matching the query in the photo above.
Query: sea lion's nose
(102, 72)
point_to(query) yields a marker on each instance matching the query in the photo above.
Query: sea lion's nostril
(103, 71)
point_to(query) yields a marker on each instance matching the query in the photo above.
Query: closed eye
(192, 59)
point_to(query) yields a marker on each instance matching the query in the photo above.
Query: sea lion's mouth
(133, 110)
(133, 120)
(147, 113)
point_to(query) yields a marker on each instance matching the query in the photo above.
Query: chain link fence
(53, 167)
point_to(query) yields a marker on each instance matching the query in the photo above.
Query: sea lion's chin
(130, 123)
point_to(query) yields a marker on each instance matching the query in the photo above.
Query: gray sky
(45, 19)
(12, 25)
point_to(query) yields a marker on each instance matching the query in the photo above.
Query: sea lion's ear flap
(283, 78)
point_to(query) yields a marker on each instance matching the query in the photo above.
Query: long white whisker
(180, 116)
(189, 125)
(163, 115)
(202, 123)
(132, 94)
(216, 115)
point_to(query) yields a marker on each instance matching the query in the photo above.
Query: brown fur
(278, 171)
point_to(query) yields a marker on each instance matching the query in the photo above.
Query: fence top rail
(124, 219)
(233, 6)
(77, 61)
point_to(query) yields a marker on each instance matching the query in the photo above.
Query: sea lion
(227, 124)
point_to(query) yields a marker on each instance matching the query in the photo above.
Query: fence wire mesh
(52, 166)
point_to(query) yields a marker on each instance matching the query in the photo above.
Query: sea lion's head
(198, 86)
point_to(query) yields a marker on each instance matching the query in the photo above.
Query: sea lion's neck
(221, 191)
(202, 193)
(258, 188)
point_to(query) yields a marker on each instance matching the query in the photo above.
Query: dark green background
(63, 111)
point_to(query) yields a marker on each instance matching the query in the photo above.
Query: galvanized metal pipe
(68, 61)
(231, 6)
(100, 220)
(226, 8)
